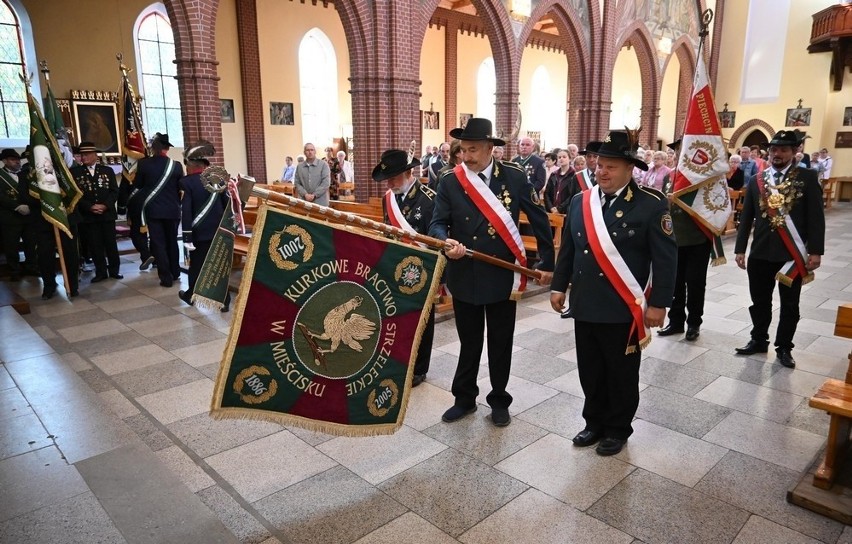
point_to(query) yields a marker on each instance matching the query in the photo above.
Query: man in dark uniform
(784, 202)
(408, 205)
(202, 211)
(471, 205)
(617, 235)
(438, 164)
(14, 221)
(97, 211)
(532, 164)
(158, 184)
(693, 256)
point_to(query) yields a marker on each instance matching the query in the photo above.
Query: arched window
(486, 89)
(318, 88)
(17, 56)
(155, 55)
(545, 109)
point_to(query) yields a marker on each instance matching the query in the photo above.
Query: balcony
(832, 31)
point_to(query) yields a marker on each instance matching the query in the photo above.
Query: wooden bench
(8, 297)
(828, 187)
(844, 189)
(557, 221)
(835, 397)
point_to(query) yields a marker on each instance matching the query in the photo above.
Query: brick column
(451, 40)
(247, 40)
(715, 53)
(194, 26)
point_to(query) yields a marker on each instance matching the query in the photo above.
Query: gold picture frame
(96, 121)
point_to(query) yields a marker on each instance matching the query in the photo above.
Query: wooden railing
(830, 23)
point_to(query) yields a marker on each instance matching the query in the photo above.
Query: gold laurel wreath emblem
(708, 166)
(275, 241)
(400, 269)
(371, 398)
(240, 382)
(716, 201)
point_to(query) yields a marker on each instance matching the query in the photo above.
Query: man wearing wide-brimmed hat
(156, 187)
(201, 212)
(98, 213)
(617, 237)
(784, 203)
(408, 205)
(478, 206)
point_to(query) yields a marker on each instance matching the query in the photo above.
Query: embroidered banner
(326, 327)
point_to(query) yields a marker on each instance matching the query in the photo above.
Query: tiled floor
(104, 434)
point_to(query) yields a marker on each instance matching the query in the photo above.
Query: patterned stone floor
(105, 435)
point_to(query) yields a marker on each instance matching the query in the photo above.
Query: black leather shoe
(670, 329)
(457, 412)
(567, 314)
(146, 264)
(48, 293)
(225, 309)
(96, 279)
(164, 283)
(500, 417)
(116, 276)
(610, 446)
(186, 297)
(73, 293)
(586, 438)
(692, 334)
(785, 358)
(418, 379)
(753, 346)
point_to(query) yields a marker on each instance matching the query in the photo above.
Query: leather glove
(23, 209)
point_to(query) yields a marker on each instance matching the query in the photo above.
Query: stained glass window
(155, 45)
(13, 95)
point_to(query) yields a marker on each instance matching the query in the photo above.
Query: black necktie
(607, 200)
(777, 177)
(592, 176)
(482, 177)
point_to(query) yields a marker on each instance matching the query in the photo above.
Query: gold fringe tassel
(208, 303)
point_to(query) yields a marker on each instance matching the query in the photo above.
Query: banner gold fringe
(207, 303)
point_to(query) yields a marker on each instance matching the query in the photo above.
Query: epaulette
(510, 164)
(428, 191)
(653, 192)
(445, 172)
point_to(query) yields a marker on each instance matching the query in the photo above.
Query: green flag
(50, 180)
(52, 114)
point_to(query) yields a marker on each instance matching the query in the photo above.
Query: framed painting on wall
(431, 120)
(798, 117)
(843, 139)
(464, 118)
(281, 113)
(728, 118)
(227, 110)
(847, 117)
(97, 122)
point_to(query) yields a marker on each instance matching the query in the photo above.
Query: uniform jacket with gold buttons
(639, 224)
(457, 217)
(99, 188)
(416, 206)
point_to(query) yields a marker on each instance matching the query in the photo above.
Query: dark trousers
(196, 260)
(690, 285)
(164, 247)
(761, 283)
(424, 351)
(46, 248)
(134, 221)
(610, 379)
(470, 324)
(103, 248)
(12, 234)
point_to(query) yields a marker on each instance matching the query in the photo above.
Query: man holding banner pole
(784, 203)
(478, 206)
(408, 205)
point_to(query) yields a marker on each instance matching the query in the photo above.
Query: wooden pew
(557, 221)
(835, 397)
(828, 192)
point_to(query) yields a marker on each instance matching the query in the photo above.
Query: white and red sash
(397, 219)
(584, 180)
(615, 269)
(789, 236)
(499, 218)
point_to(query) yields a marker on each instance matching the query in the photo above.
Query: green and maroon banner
(326, 327)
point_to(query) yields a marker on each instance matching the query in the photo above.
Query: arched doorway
(756, 137)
